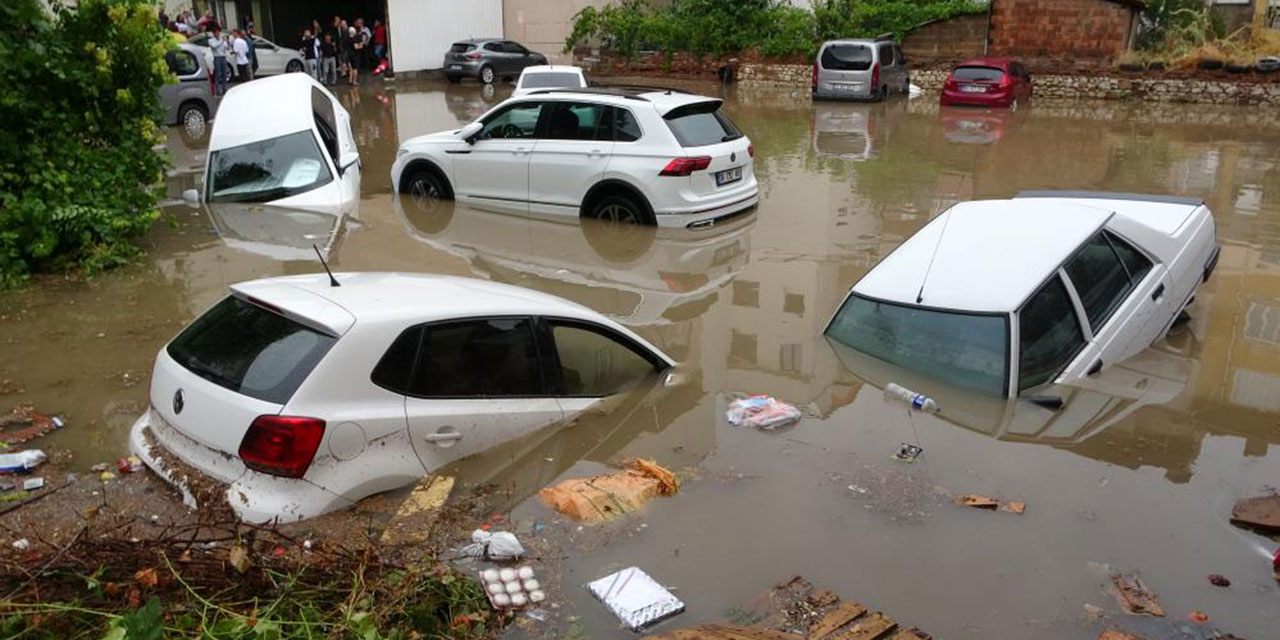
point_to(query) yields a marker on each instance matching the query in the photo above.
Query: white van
(286, 141)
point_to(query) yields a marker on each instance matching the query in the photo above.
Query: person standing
(366, 36)
(309, 54)
(253, 50)
(218, 47)
(241, 50)
(328, 60)
(379, 40)
(356, 42)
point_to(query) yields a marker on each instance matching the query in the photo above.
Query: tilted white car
(546, 76)
(1007, 296)
(300, 396)
(273, 59)
(283, 140)
(646, 156)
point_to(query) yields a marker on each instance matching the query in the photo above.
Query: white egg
(502, 600)
(526, 573)
(531, 585)
(513, 587)
(537, 596)
(490, 575)
(496, 588)
(518, 600)
(507, 575)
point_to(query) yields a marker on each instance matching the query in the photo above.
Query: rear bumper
(957, 98)
(707, 211)
(253, 497)
(825, 93)
(465, 69)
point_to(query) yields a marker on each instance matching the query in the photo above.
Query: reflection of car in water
(851, 131)
(635, 275)
(280, 233)
(976, 126)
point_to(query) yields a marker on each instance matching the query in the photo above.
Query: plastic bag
(21, 461)
(493, 545)
(764, 412)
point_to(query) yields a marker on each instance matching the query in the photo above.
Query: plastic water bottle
(918, 401)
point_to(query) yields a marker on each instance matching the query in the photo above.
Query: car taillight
(1005, 81)
(685, 166)
(815, 75)
(474, 55)
(281, 445)
(950, 83)
(875, 76)
(751, 149)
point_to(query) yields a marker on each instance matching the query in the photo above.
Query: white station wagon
(301, 396)
(1006, 296)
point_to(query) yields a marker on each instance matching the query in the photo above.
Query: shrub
(81, 114)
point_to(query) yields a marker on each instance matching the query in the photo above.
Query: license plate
(728, 175)
(845, 87)
(973, 88)
(455, 67)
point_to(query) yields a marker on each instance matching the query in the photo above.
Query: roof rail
(1112, 195)
(643, 87)
(591, 90)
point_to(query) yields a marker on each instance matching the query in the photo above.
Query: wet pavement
(1138, 472)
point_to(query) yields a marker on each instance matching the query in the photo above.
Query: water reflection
(977, 126)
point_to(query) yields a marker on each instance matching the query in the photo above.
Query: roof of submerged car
(263, 109)
(983, 256)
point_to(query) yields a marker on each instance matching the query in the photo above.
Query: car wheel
(878, 94)
(619, 229)
(427, 194)
(487, 75)
(193, 119)
(453, 79)
(294, 66)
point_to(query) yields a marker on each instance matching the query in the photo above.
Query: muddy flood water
(1136, 473)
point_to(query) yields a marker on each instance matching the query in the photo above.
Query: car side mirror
(469, 132)
(191, 197)
(346, 159)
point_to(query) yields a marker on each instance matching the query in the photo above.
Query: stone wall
(789, 76)
(955, 39)
(1061, 28)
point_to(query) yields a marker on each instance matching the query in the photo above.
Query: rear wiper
(730, 136)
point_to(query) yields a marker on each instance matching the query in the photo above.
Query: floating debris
(1258, 513)
(635, 598)
(1218, 580)
(762, 412)
(1135, 597)
(907, 453)
(608, 496)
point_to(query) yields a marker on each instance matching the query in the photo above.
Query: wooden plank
(734, 632)
(412, 522)
(836, 618)
(1135, 597)
(977, 501)
(871, 627)
(910, 634)
(1259, 513)
(1112, 634)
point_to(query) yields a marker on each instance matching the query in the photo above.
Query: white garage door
(422, 30)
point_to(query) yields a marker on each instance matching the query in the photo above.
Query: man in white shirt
(240, 47)
(218, 47)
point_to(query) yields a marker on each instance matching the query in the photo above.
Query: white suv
(639, 155)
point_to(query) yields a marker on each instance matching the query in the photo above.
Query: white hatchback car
(286, 141)
(1006, 296)
(637, 155)
(545, 76)
(300, 396)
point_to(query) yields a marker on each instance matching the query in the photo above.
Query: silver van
(860, 70)
(189, 101)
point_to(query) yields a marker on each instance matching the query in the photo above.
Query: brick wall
(947, 40)
(1060, 28)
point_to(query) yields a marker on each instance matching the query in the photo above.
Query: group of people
(343, 49)
(237, 49)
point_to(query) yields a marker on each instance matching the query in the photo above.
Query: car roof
(985, 256)
(478, 40)
(263, 109)
(549, 68)
(663, 100)
(987, 61)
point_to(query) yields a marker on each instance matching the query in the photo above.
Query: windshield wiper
(265, 195)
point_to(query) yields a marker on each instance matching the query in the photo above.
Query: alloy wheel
(486, 75)
(619, 214)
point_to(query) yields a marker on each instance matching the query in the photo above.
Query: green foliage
(81, 112)
(1164, 18)
(774, 27)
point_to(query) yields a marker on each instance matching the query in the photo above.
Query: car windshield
(981, 74)
(268, 169)
(846, 57)
(965, 349)
(250, 350)
(700, 124)
(550, 80)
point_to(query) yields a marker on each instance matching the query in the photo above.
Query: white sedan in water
(1008, 296)
(295, 396)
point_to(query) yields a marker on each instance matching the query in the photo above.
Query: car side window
(512, 47)
(1135, 263)
(594, 363)
(899, 55)
(625, 127)
(182, 63)
(395, 370)
(488, 358)
(577, 121)
(519, 121)
(1100, 279)
(1049, 335)
(886, 55)
(495, 47)
(263, 44)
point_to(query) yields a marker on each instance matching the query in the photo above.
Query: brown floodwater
(1137, 472)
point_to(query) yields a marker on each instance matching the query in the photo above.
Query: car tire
(619, 229)
(453, 79)
(194, 120)
(294, 66)
(487, 75)
(878, 94)
(426, 193)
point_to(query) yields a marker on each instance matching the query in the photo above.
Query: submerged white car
(544, 76)
(1007, 296)
(295, 396)
(286, 141)
(632, 155)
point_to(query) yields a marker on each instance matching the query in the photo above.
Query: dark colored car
(987, 82)
(488, 60)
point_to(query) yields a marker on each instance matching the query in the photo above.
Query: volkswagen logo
(733, 157)
(178, 403)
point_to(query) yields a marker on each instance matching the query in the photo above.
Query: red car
(987, 82)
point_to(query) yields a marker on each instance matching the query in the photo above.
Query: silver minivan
(189, 101)
(860, 70)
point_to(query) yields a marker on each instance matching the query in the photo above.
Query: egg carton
(512, 589)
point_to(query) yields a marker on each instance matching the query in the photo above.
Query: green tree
(81, 116)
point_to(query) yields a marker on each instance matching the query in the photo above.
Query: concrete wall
(1061, 28)
(955, 39)
(542, 25)
(421, 31)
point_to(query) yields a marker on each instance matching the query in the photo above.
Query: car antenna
(333, 282)
(936, 246)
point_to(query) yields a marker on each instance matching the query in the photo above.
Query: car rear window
(965, 349)
(461, 47)
(983, 74)
(549, 80)
(251, 350)
(846, 57)
(700, 124)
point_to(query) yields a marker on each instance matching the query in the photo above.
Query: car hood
(435, 138)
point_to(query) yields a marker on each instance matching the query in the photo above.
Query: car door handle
(442, 437)
(1159, 292)
(1097, 366)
